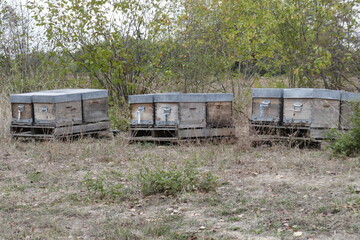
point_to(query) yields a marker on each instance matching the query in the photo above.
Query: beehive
(316, 108)
(346, 109)
(267, 105)
(21, 109)
(94, 104)
(219, 109)
(181, 110)
(142, 110)
(57, 108)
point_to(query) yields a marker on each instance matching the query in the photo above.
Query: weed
(35, 177)
(348, 144)
(175, 180)
(104, 188)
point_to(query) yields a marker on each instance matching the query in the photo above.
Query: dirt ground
(262, 193)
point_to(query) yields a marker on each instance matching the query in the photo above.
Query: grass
(90, 189)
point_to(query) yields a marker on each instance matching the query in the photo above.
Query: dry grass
(88, 189)
(264, 193)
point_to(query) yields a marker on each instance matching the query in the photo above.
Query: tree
(115, 41)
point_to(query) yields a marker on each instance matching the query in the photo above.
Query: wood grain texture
(302, 117)
(206, 132)
(172, 118)
(219, 114)
(273, 113)
(26, 117)
(346, 112)
(326, 113)
(192, 115)
(146, 117)
(58, 114)
(316, 113)
(95, 110)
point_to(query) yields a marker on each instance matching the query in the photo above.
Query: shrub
(348, 144)
(175, 180)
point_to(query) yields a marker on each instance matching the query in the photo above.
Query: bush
(175, 180)
(348, 144)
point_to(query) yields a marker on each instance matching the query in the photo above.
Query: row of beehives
(314, 108)
(62, 107)
(182, 110)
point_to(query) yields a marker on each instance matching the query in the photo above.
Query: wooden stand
(64, 132)
(175, 134)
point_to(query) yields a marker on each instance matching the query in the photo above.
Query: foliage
(175, 180)
(113, 41)
(348, 144)
(104, 187)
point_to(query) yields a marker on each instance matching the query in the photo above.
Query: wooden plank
(272, 113)
(58, 114)
(326, 113)
(68, 130)
(26, 116)
(206, 132)
(146, 116)
(95, 110)
(192, 115)
(219, 114)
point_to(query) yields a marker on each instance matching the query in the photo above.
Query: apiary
(181, 110)
(21, 109)
(346, 109)
(267, 105)
(315, 108)
(219, 109)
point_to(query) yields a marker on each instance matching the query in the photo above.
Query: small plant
(348, 144)
(104, 188)
(175, 180)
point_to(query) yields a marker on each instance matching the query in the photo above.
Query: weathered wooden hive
(267, 105)
(346, 109)
(21, 109)
(181, 110)
(141, 110)
(315, 108)
(57, 108)
(219, 109)
(94, 104)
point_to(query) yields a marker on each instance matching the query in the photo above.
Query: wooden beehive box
(142, 110)
(181, 110)
(57, 108)
(315, 108)
(21, 109)
(267, 105)
(94, 104)
(346, 109)
(219, 109)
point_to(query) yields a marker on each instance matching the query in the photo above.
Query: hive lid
(267, 92)
(350, 96)
(87, 93)
(219, 97)
(312, 93)
(180, 97)
(21, 98)
(143, 98)
(55, 96)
